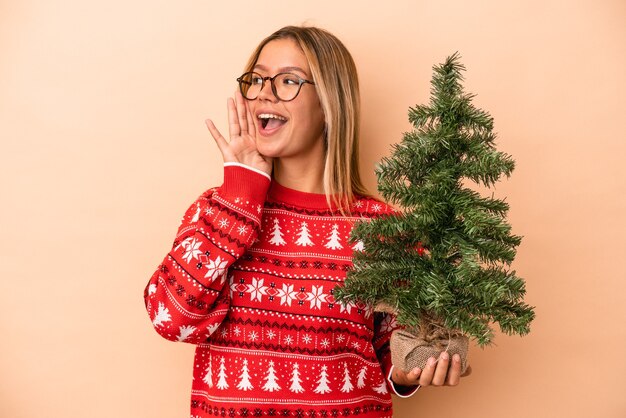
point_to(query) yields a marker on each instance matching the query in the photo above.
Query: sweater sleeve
(187, 297)
(384, 325)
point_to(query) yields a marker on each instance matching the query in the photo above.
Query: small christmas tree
(441, 262)
(304, 236)
(360, 383)
(277, 234)
(222, 383)
(244, 383)
(296, 380)
(333, 239)
(208, 377)
(271, 384)
(347, 383)
(322, 383)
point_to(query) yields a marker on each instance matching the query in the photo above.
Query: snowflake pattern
(316, 296)
(192, 249)
(273, 280)
(347, 307)
(216, 268)
(256, 289)
(388, 323)
(287, 294)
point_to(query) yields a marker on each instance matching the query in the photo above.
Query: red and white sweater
(250, 281)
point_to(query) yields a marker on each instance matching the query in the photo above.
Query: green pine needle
(463, 277)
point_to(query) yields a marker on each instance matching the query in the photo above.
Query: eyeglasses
(285, 86)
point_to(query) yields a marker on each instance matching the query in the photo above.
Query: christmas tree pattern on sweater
(250, 281)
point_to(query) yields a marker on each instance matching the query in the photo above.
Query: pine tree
(333, 239)
(381, 388)
(185, 331)
(295, 380)
(358, 246)
(221, 382)
(347, 384)
(270, 380)
(208, 377)
(304, 236)
(277, 235)
(360, 382)
(244, 383)
(445, 255)
(322, 383)
(162, 315)
(196, 216)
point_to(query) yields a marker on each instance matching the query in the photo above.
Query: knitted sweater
(250, 281)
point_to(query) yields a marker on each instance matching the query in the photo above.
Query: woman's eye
(290, 81)
(256, 80)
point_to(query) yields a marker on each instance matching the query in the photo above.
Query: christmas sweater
(250, 280)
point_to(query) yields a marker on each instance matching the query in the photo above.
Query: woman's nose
(267, 93)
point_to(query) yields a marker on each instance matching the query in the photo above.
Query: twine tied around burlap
(412, 347)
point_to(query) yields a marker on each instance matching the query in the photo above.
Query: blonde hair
(337, 86)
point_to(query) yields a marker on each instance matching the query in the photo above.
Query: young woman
(251, 275)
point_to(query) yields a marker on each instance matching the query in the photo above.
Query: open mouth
(270, 121)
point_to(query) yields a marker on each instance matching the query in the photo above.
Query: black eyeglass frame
(241, 82)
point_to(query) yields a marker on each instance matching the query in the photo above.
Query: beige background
(103, 147)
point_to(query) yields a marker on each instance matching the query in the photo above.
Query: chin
(268, 151)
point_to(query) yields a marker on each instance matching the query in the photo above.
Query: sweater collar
(281, 194)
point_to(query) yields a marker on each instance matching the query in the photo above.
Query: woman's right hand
(242, 131)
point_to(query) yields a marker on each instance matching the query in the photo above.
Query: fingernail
(445, 356)
(456, 358)
(416, 371)
(431, 361)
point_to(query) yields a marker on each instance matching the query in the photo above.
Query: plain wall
(104, 146)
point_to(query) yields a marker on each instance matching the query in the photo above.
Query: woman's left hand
(439, 372)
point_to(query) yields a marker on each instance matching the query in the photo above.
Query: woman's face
(295, 129)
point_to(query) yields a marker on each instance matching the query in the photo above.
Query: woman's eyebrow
(282, 69)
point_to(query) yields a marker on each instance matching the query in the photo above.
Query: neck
(299, 175)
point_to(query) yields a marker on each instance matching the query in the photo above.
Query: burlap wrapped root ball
(409, 350)
(411, 347)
